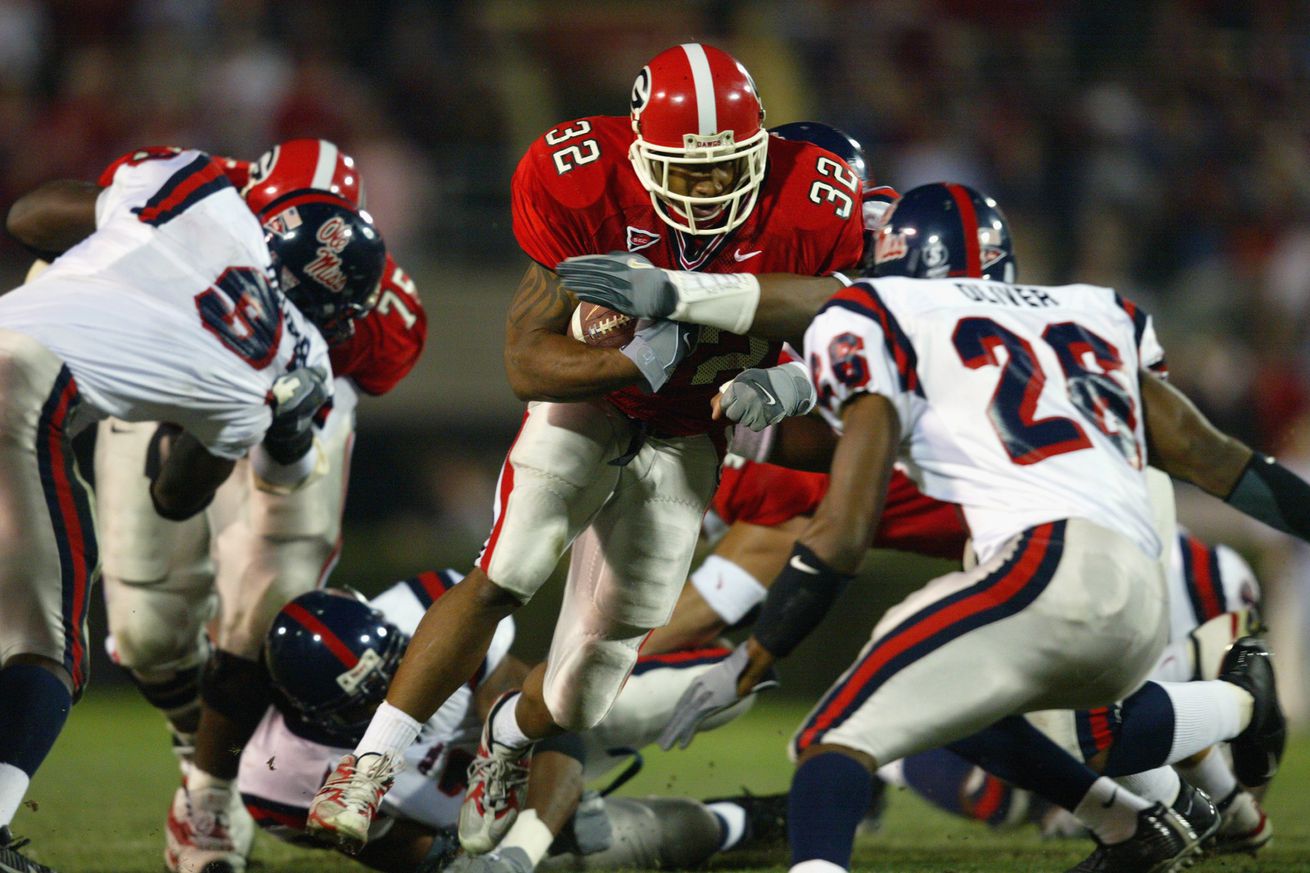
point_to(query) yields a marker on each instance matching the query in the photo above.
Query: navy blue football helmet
(331, 658)
(833, 139)
(327, 257)
(943, 230)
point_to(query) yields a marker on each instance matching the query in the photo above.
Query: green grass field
(99, 803)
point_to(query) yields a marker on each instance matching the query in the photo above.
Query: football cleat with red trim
(344, 808)
(208, 831)
(1243, 825)
(498, 778)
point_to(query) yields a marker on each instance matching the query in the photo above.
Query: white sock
(530, 834)
(505, 730)
(1211, 774)
(392, 730)
(1161, 784)
(13, 785)
(1110, 811)
(199, 780)
(816, 865)
(733, 818)
(1205, 713)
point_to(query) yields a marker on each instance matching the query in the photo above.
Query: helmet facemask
(727, 211)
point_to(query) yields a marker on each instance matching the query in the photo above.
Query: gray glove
(626, 282)
(511, 860)
(758, 398)
(296, 398)
(712, 692)
(659, 346)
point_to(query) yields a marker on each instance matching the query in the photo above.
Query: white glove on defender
(758, 398)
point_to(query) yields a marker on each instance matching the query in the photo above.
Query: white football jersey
(1020, 403)
(1206, 581)
(167, 312)
(281, 771)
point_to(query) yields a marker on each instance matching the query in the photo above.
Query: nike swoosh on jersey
(798, 564)
(739, 257)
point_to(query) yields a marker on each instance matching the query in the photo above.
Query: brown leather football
(601, 326)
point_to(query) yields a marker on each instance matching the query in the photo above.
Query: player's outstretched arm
(822, 564)
(542, 361)
(777, 306)
(1184, 444)
(830, 549)
(54, 217)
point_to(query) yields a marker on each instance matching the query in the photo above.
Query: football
(601, 326)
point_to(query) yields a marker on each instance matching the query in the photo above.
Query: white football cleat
(1243, 825)
(346, 805)
(201, 836)
(498, 777)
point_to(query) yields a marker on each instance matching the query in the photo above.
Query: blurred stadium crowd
(1162, 147)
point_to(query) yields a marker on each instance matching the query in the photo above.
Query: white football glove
(659, 346)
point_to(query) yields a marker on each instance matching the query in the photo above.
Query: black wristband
(289, 448)
(1269, 492)
(798, 600)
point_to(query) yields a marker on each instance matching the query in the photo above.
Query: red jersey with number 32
(575, 193)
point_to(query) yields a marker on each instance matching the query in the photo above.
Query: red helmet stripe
(325, 168)
(323, 632)
(969, 221)
(707, 110)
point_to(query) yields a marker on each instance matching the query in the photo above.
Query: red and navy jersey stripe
(861, 298)
(1097, 729)
(429, 585)
(1201, 578)
(1139, 329)
(70, 516)
(185, 188)
(681, 660)
(997, 596)
(270, 813)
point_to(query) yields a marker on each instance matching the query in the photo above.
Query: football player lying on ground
(872, 377)
(331, 657)
(139, 321)
(257, 545)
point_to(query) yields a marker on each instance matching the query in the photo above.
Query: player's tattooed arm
(542, 361)
(54, 217)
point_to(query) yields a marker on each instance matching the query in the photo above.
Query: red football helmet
(695, 104)
(303, 163)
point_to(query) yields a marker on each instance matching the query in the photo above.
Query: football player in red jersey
(256, 548)
(618, 454)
